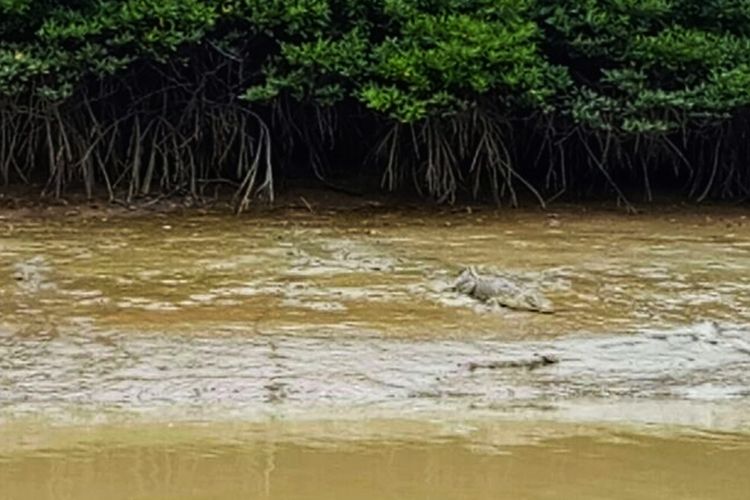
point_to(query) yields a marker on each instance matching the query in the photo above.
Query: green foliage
(624, 65)
(440, 59)
(610, 68)
(645, 66)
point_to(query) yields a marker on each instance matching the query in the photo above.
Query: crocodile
(537, 361)
(501, 291)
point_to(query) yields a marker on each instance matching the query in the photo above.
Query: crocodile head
(466, 281)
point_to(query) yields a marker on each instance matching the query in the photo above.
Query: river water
(298, 355)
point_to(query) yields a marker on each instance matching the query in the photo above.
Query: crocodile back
(490, 288)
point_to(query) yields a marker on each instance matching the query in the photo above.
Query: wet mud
(282, 321)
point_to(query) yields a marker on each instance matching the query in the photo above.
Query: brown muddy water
(296, 355)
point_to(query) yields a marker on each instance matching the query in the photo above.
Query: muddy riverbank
(266, 328)
(378, 271)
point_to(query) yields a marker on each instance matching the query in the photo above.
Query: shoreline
(26, 203)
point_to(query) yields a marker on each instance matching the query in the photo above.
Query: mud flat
(299, 355)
